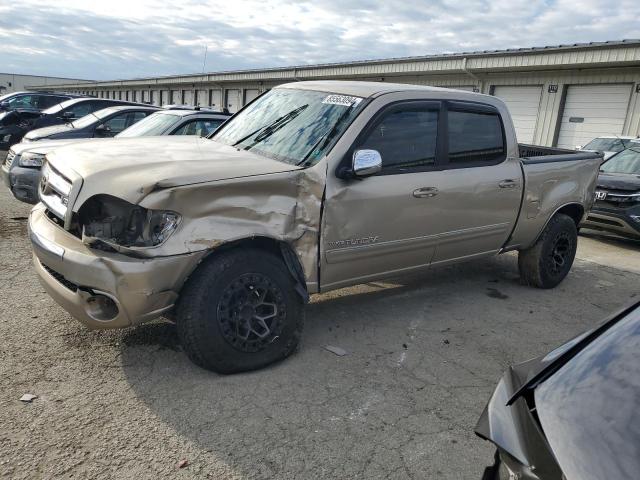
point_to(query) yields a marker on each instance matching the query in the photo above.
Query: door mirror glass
(366, 162)
(102, 130)
(4, 105)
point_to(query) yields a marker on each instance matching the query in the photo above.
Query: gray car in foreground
(21, 167)
(573, 413)
(312, 187)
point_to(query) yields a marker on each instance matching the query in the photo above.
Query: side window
(24, 101)
(116, 124)
(198, 127)
(475, 137)
(405, 138)
(46, 101)
(79, 110)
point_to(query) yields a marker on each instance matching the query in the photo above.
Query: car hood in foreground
(585, 394)
(130, 168)
(619, 181)
(46, 146)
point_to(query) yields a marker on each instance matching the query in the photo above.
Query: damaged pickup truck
(314, 186)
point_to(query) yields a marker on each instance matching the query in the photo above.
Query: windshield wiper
(265, 132)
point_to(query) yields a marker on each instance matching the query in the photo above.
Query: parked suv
(21, 168)
(313, 186)
(617, 206)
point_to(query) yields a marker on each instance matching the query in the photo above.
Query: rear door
(479, 190)
(376, 225)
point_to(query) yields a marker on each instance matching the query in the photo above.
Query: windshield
(293, 126)
(624, 162)
(607, 144)
(154, 124)
(59, 106)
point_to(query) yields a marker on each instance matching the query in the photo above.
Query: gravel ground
(424, 354)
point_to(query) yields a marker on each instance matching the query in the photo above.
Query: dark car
(104, 123)
(617, 205)
(64, 112)
(572, 414)
(33, 100)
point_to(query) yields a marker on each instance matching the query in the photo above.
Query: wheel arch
(278, 248)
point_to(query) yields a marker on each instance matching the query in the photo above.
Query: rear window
(475, 137)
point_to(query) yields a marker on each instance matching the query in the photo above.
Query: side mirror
(366, 163)
(102, 130)
(4, 105)
(67, 115)
(578, 147)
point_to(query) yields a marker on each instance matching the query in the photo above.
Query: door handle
(425, 192)
(508, 183)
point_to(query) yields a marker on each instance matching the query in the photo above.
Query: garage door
(203, 98)
(216, 100)
(523, 104)
(250, 94)
(591, 111)
(466, 88)
(233, 100)
(188, 97)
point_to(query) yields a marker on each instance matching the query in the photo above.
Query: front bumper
(23, 182)
(100, 289)
(620, 221)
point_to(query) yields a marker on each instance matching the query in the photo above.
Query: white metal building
(14, 82)
(562, 95)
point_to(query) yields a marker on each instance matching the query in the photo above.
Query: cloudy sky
(124, 39)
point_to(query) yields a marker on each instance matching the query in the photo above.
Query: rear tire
(239, 311)
(549, 260)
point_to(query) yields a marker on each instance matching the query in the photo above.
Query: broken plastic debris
(182, 463)
(337, 350)
(28, 398)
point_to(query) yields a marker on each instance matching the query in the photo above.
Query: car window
(627, 161)
(405, 138)
(117, 123)
(81, 109)
(200, 127)
(23, 101)
(475, 137)
(136, 117)
(607, 144)
(47, 101)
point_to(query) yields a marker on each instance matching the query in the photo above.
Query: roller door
(202, 98)
(216, 100)
(233, 102)
(187, 97)
(591, 111)
(250, 94)
(523, 104)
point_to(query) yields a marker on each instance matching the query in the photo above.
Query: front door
(380, 224)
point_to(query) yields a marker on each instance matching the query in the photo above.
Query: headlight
(113, 221)
(31, 159)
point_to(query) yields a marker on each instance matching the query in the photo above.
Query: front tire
(549, 260)
(239, 311)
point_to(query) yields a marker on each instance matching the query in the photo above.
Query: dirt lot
(424, 355)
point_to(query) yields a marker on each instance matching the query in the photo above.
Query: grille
(54, 191)
(60, 278)
(9, 159)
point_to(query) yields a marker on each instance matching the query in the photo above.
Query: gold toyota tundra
(311, 187)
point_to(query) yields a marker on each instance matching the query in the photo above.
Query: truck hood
(48, 131)
(132, 168)
(619, 181)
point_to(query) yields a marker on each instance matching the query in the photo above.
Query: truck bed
(532, 154)
(554, 179)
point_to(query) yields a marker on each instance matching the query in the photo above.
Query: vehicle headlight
(114, 221)
(31, 159)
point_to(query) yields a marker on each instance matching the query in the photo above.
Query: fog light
(101, 308)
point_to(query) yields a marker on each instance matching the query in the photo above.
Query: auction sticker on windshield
(344, 100)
